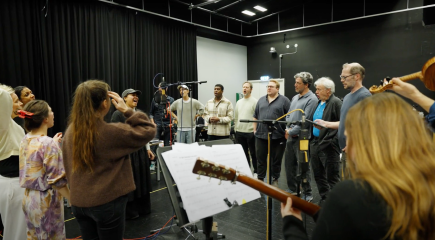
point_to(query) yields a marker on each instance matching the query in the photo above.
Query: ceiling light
(272, 50)
(296, 45)
(259, 8)
(248, 13)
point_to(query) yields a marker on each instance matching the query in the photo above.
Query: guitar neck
(278, 194)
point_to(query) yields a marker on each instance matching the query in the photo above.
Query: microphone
(163, 97)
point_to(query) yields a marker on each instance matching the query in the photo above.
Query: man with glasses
(351, 76)
(307, 101)
(271, 106)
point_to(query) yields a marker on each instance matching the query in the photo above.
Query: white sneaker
(255, 176)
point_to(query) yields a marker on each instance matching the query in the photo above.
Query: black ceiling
(292, 13)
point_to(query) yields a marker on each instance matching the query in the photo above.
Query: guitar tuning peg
(220, 182)
(199, 177)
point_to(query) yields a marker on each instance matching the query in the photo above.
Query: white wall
(223, 63)
(259, 87)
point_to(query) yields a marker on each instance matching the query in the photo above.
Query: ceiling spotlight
(288, 46)
(296, 45)
(248, 13)
(272, 50)
(260, 8)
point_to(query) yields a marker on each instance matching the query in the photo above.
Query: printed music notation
(205, 197)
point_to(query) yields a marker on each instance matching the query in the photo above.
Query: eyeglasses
(268, 86)
(344, 77)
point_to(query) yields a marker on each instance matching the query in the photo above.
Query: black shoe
(131, 216)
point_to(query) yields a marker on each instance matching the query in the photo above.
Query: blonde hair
(394, 153)
(276, 83)
(7, 88)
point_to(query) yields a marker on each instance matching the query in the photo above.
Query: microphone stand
(303, 165)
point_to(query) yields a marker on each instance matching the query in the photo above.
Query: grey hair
(326, 82)
(7, 88)
(355, 68)
(306, 77)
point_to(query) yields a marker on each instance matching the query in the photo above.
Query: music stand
(182, 221)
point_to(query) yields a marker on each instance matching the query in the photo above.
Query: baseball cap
(129, 91)
(182, 86)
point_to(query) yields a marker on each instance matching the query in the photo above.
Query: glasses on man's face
(269, 86)
(344, 77)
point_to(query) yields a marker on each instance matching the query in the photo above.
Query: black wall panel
(390, 45)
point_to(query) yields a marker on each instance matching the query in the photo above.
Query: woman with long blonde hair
(392, 191)
(96, 159)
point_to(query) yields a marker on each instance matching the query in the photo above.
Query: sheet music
(204, 197)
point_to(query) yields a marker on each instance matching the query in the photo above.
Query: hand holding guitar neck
(427, 75)
(214, 170)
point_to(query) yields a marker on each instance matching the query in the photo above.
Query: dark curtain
(80, 40)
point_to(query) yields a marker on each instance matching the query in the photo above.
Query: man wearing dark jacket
(324, 147)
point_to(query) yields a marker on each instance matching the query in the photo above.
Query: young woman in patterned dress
(42, 174)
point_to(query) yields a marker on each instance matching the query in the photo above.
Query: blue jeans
(186, 136)
(103, 222)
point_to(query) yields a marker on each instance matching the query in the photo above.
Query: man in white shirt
(245, 109)
(187, 109)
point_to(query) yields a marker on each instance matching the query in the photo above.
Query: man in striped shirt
(218, 113)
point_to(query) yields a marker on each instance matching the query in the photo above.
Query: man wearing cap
(307, 101)
(159, 115)
(218, 113)
(186, 108)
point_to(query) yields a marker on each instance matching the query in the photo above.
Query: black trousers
(106, 221)
(326, 167)
(292, 167)
(277, 147)
(213, 137)
(163, 132)
(247, 140)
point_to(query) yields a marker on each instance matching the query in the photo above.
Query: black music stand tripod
(270, 128)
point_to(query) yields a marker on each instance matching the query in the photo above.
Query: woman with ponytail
(392, 191)
(96, 159)
(42, 174)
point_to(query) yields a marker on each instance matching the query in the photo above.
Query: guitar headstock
(378, 89)
(213, 170)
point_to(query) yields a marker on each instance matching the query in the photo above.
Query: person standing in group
(187, 109)
(25, 95)
(324, 148)
(307, 101)
(391, 194)
(139, 201)
(96, 158)
(11, 194)
(351, 76)
(271, 106)
(245, 109)
(42, 174)
(218, 113)
(160, 116)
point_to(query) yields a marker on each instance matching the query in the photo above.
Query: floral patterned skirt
(44, 214)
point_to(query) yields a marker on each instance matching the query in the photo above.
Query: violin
(426, 75)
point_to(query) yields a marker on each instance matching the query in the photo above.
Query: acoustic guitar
(214, 170)
(426, 75)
